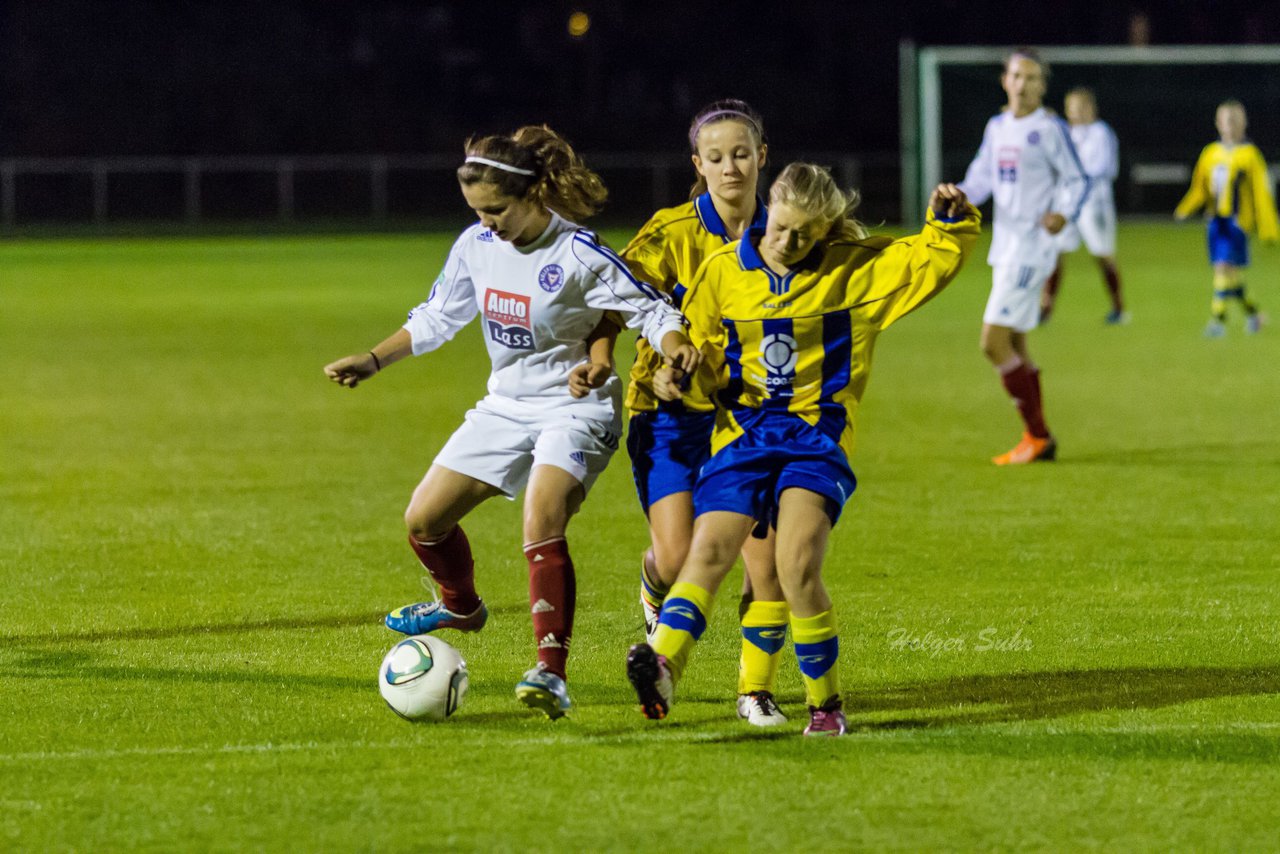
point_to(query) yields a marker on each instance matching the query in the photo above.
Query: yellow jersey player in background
(791, 316)
(669, 441)
(1231, 181)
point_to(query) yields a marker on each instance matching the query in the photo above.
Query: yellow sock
(683, 620)
(652, 591)
(764, 634)
(818, 649)
(1226, 285)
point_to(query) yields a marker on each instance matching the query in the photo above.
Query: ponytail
(535, 162)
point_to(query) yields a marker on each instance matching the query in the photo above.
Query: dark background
(143, 77)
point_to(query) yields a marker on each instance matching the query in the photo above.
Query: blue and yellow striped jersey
(666, 253)
(1233, 180)
(802, 343)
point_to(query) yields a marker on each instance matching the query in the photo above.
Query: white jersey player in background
(541, 285)
(1099, 152)
(1028, 164)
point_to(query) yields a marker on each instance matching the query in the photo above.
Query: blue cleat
(1117, 318)
(426, 617)
(544, 691)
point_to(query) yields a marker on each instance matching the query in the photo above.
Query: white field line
(580, 737)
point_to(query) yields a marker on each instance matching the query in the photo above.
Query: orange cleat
(1029, 450)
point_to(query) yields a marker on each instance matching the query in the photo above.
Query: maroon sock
(1023, 385)
(552, 592)
(449, 562)
(1111, 274)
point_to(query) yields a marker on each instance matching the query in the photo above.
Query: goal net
(1159, 100)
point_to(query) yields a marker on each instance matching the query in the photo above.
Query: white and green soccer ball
(422, 678)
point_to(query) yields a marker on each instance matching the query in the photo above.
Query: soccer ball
(423, 678)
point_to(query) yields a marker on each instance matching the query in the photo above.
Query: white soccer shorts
(1097, 225)
(1015, 295)
(499, 446)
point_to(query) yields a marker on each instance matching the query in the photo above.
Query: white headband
(505, 167)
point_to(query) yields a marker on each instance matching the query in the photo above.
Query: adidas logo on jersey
(542, 606)
(485, 236)
(550, 642)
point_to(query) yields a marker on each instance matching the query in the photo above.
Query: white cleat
(759, 709)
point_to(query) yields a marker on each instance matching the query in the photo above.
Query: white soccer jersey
(538, 303)
(1099, 152)
(1030, 166)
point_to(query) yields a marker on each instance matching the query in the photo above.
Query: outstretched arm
(352, 370)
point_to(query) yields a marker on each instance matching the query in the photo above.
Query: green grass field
(199, 536)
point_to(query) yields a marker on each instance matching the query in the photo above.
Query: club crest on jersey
(1033, 138)
(551, 278)
(506, 319)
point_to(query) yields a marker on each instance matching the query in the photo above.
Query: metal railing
(662, 179)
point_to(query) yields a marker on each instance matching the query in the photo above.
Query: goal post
(1178, 104)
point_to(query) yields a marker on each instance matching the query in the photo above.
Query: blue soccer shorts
(667, 450)
(777, 451)
(1227, 242)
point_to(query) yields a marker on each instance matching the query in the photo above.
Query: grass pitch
(200, 535)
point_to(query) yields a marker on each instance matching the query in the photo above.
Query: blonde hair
(810, 188)
(549, 171)
(726, 110)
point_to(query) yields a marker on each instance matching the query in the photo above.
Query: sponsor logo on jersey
(551, 278)
(778, 353)
(1007, 162)
(485, 236)
(506, 319)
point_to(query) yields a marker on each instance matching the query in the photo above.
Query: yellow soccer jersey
(802, 343)
(666, 253)
(1233, 179)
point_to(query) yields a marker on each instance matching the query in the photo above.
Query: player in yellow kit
(669, 441)
(1231, 181)
(790, 317)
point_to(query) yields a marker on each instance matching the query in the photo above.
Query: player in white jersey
(1028, 164)
(1099, 152)
(541, 285)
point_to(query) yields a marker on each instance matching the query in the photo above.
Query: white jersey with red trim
(1030, 167)
(538, 303)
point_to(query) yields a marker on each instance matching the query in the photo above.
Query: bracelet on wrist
(377, 365)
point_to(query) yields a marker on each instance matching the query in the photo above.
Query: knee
(425, 527)
(712, 552)
(543, 523)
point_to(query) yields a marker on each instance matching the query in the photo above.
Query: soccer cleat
(1030, 450)
(1253, 323)
(759, 709)
(1115, 317)
(1215, 329)
(426, 617)
(543, 690)
(651, 614)
(827, 719)
(652, 680)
